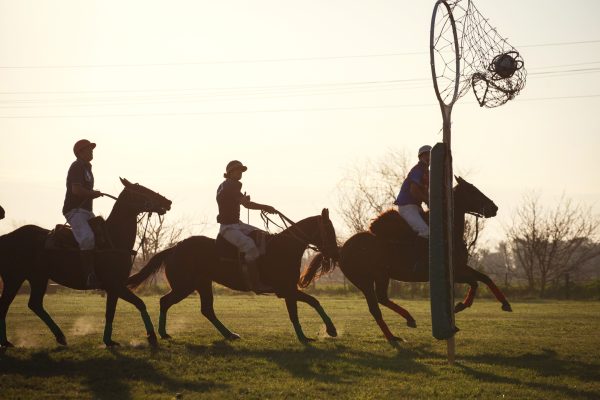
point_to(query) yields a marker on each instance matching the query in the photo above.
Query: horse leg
(8, 295)
(314, 303)
(129, 297)
(36, 304)
(371, 298)
(207, 309)
(468, 301)
(168, 300)
(381, 290)
(292, 307)
(481, 277)
(111, 306)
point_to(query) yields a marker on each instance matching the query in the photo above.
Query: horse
(194, 263)
(387, 251)
(25, 256)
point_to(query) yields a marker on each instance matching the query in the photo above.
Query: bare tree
(547, 244)
(369, 189)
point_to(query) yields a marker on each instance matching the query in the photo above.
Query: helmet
(82, 144)
(235, 164)
(424, 149)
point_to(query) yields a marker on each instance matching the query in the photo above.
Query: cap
(82, 144)
(424, 149)
(235, 164)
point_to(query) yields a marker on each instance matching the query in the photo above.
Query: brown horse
(23, 256)
(389, 251)
(193, 264)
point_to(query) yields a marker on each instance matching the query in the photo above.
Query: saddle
(229, 253)
(62, 238)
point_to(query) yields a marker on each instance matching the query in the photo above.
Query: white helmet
(424, 149)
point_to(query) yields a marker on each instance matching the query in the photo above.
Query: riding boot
(87, 265)
(253, 278)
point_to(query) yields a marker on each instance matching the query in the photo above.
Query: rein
(288, 223)
(477, 216)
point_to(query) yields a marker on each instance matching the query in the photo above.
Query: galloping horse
(193, 264)
(370, 259)
(23, 256)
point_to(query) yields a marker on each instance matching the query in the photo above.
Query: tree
(547, 244)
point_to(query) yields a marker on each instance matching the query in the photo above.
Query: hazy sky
(299, 91)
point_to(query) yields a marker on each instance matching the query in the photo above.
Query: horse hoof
(61, 340)
(394, 340)
(411, 324)
(110, 344)
(459, 307)
(506, 306)
(165, 336)
(233, 336)
(332, 332)
(7, 344)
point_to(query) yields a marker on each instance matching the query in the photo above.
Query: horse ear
(125, 182)
(325, 213)
(458, 179)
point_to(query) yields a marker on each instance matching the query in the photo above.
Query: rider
(413, 192)
(77, 207)
(229, 198)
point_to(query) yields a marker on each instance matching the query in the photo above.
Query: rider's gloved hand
(269, 209)
(96, 194)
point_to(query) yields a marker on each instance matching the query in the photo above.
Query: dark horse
(370, 259)
(193, 264)
(23, 256)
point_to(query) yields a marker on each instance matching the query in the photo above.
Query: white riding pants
(78, 219)
(237, 235)
(412, 215)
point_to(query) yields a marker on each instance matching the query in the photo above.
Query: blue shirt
(80, 172)
(416, 175)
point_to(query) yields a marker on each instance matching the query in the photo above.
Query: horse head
(470, 199)
(143, 199)
(328, 241)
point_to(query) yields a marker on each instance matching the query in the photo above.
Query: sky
(300, 92)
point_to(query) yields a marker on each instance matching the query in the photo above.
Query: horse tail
(318, 266)
(153, 266)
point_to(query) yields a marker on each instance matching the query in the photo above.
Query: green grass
(543, 350)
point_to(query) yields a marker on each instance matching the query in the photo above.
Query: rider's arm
(245, 201)
(419, 192)
(79, 190)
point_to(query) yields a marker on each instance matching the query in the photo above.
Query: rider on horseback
(414, 191)
(229, 198)
(77, 207)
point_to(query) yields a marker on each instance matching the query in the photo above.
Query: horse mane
(387, 224)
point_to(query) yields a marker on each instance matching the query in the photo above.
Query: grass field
(543, 350)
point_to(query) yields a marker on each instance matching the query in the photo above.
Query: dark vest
(228, 199)
(80, 172)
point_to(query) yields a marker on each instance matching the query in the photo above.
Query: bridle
(300, 235)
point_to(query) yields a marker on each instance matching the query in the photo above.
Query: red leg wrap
(395, 307)
(385, 329)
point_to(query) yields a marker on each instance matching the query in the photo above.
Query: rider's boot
(253, 278)
(87, 265)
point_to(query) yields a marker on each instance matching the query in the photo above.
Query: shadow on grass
(108, 376)
(331, 365)
(546, 364)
